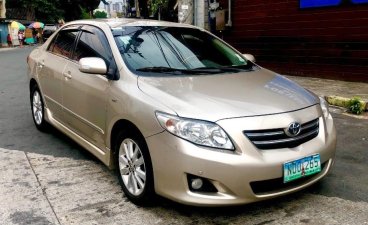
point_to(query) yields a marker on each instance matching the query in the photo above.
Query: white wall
(2, 9)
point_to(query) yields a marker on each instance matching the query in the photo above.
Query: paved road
(45, 178)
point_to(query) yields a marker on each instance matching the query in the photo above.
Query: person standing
(9, 39)
(20, 37)
(39, 39)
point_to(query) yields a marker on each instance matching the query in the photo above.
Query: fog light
(197, 183)
(200, 184)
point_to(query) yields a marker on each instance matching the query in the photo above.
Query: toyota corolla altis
(179, 113)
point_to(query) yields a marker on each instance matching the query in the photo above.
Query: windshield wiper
(159, 69)
(199, 70)
(247, 67)
(215, 69)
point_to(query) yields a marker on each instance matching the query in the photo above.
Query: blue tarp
(323, 3)
(3, 33)
(318, 3)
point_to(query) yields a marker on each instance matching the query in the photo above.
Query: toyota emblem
(293, 129)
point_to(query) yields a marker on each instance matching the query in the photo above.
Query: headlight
(324, 106)
(196, 131)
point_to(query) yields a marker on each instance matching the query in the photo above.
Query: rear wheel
(134, 168)
(38, 109)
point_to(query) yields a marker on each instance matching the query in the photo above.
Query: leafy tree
(89, 5)
(157, 5)
(143, 5)
(131, 3)
(45, 10)
(73, 10)
(163, 9)
(84, 14)
(52, 10)
(100, 14)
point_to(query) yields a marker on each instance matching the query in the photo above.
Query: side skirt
(101, 155)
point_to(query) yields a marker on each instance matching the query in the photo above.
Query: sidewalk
(22, 199)
(339, 91)
(325, 87)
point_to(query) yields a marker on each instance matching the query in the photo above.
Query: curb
(343, 102)
(5, 49)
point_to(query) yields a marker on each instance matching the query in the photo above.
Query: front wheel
(134, 169)
(38, 109)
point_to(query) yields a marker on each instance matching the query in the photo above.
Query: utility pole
(185, 11)
(137, 10)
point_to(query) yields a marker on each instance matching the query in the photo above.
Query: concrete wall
(329, 42)
(2, 9)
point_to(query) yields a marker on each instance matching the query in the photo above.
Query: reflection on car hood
(220, 96)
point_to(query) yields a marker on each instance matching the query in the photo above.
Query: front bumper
(232, 173)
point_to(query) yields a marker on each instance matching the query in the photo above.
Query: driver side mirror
(250, 57)
(92, 65)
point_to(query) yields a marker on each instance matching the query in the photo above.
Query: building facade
(327, 39)
(3, 24)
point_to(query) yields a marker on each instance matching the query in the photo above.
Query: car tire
(38, 109)
(134, 168)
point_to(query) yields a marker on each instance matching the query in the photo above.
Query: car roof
(119, 22)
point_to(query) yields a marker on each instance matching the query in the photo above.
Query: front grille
(277, 185)
(277, 138)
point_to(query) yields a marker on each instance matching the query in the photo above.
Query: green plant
(155, 5)
(84, 13)
(355, 105)
(100, 14)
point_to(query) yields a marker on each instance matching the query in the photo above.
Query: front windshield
(145, 48)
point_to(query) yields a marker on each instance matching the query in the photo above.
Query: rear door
(51, 66)
(85, 95)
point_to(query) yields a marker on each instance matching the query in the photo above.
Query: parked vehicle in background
(48, 30)
(180, 113)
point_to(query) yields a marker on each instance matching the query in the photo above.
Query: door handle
(67, 75)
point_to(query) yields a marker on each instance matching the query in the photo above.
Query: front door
(85, 95)
(84, 100)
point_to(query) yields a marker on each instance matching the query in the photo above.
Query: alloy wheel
(132, 167)
(37, 107)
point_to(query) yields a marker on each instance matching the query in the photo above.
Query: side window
(93, 43)
(64, 42)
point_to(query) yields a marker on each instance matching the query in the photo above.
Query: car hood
(221, 96)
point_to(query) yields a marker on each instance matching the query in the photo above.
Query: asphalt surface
(45, 178)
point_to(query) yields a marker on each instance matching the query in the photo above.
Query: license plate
(302, 167)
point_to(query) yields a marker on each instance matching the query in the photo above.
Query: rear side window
(92, 43)
(63, 44)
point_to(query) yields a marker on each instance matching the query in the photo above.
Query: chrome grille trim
(265, 134)
(277, 138)
(309, 125)
(285, 140)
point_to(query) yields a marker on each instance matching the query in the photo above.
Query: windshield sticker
(125, 39)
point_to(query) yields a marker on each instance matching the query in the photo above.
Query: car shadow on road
(287, 206)
(66, 147)
(51, 142)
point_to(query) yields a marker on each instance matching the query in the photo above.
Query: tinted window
(64, 42)
(92, 43)
(174, 47)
